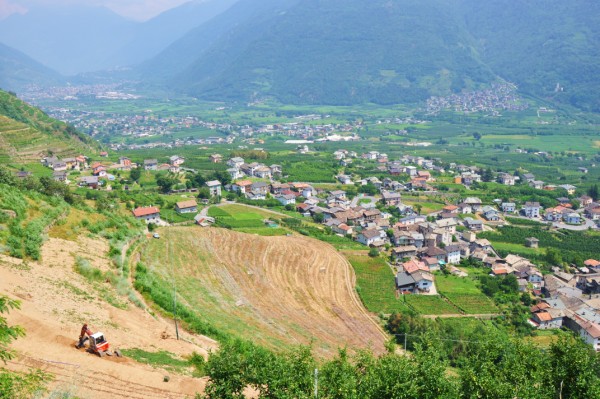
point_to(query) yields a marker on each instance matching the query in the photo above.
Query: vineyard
(430, 304)
(472, 303)
(465, 294)
(375, 283)
(569, 243)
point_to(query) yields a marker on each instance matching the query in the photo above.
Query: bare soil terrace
(275, 291)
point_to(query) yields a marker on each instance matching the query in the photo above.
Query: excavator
(97, 343)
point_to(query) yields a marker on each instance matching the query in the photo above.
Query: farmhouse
(490, 214)
(214, 186)
(150, 164)
(369, 237)
(216, 158)
(474, 202)
(89, 181)
(189, 206)
(391, 198)
(508, 207)
(150, 214)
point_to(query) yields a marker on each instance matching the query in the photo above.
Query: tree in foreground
(15, 385)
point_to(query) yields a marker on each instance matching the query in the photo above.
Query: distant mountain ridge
(17, 70)
(77, 39)
(382, 51)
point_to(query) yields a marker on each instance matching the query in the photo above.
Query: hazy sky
(134, 9)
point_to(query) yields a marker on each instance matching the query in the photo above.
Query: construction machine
(97, 343)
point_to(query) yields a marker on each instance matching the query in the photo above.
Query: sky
(139, 10)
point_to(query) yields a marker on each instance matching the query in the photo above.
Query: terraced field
(20, 143)
(275, 291)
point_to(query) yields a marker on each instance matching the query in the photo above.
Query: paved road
(585, 226)
(355, 200)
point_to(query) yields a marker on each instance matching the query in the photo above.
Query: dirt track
(273, 290)
(56, 301)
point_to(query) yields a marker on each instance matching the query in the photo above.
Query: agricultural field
(375, 283)
(430, 304)
(472, 303)
(574, 246)
(464, 293)
(276, 291)
(247, 220)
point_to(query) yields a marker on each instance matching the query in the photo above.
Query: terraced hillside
(27, 134)
(275, 291)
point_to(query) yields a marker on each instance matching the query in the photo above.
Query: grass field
(244, 219)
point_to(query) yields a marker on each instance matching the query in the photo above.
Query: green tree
(594, 192)
(8, 333)
(553, 256)
(135, 174)
(165, 182)
(574, 370)
(373, 252)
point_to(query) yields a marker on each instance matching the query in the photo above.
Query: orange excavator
(97, 343)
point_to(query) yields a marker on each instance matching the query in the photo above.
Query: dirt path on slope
(55, 303)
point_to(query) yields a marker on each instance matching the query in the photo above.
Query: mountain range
(75, 39)
(18, 70)
(353, 51)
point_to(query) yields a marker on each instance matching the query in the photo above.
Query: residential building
(150, 214)
(508, 207)
(532, 209)
(189, 206)
(150, 164)
(214, 187)
(286, 199)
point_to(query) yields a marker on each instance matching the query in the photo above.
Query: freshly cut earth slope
(275, 291)
(27, 134)
(55, 301)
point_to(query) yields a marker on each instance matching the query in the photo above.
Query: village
(416, 245)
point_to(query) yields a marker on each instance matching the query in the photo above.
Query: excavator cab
(99, 345)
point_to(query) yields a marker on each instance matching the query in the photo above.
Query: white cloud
(7, 8)
(135, 9)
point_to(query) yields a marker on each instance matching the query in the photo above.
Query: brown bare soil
(276, 291)
(55, 303)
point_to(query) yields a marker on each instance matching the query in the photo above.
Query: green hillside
(27, 134)
(401, 51)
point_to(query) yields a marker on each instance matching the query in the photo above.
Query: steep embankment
(27, 134)
(274, 291)
(56, 301)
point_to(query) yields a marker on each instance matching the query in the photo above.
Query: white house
(286, 199)
(532, 209)
(452, 254)
(150, 214)
(369, 237)
(508, 207)
(214, 187)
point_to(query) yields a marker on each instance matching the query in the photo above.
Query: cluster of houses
(99, 169)
(238, 168)
(571, 301)
(151, 214)
(173, 166)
